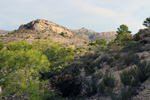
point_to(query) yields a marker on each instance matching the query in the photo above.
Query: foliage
(147, 22)
(123, 36)
(136, 75)
(1, 45)
(19, 45)
(126, 77)
(106, 85)
(123, 29)
(62, 34)
(126, 94)
(91, 43)
(101, 41)
(68, 81)
(20, 69)
(131, 59)
(90, 86)
(88, 60)
(56, 54)
(23, 66)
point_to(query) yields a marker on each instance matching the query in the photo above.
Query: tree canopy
(123, 29)
(101, 41)
(123, 34)
(147, 22)
(22, 65)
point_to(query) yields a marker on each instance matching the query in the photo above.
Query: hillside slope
(42, 29)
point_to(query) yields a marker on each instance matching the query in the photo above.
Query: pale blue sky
(97, 15)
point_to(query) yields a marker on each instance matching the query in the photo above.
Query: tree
(147, 22)
(123, 34)
(56, 54)
(101, 41)
(123, 29)
(20, 72)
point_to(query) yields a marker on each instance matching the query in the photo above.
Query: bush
(126, 77)
(142, 71)
(37, 37)
(91, 44)
(110, 61)
(126, 94)
(27, 37)
(1, 45)
(107, 84)
(133, 59)
(62, 34)
(9, 33)
(135, 76)
(21, 45)
(90, 86)
(104, 58)
(117, 56)
(67, 81)
(101, 41)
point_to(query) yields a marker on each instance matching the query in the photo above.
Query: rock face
(44, 25)
(94, 35)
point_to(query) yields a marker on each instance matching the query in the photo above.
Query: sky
(97, 15)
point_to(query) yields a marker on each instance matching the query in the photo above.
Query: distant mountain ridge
(94, 35)
(3, 32)
(85, 31)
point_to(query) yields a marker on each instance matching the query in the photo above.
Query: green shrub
(142, 71)
(117, 56)
(1, 45)
(9, 33)
(48, 35)
(133, 59)
(101, 41)
(126, 94)
(62, 34)
(107, 84)
(90, 86)
(21, 45)
(37, 37)
(110, 60)
(126, 77)
(135, 76)
(27, 37)
(91, 44)
(90, 49)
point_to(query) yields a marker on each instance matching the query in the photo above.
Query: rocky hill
(41, 29)
(94, 35)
